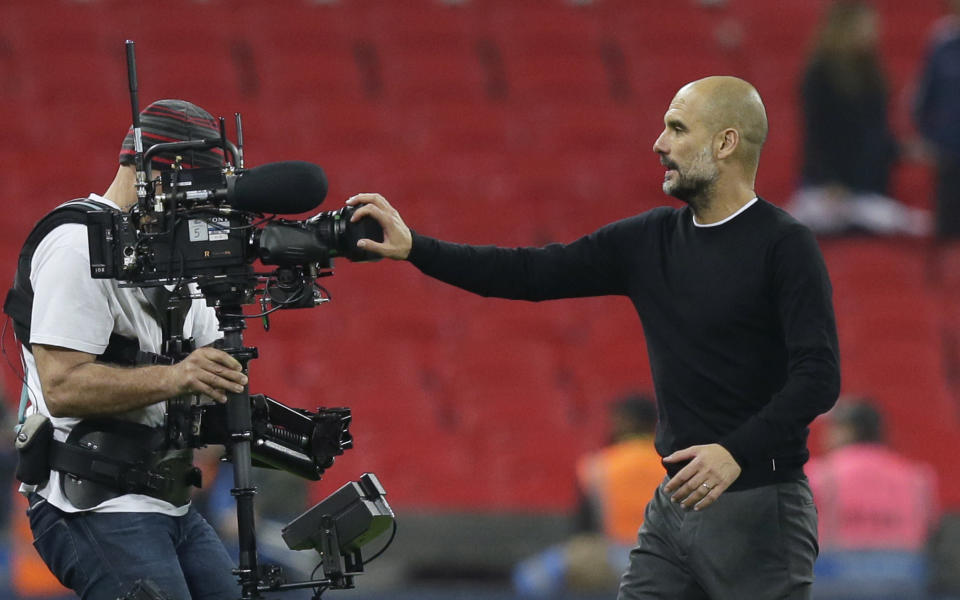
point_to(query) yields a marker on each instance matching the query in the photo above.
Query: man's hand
(209, 371)
(710, 472)
(397, 239)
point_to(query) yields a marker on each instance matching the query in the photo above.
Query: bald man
(735, 303)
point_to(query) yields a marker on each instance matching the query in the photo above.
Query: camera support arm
(240, 429)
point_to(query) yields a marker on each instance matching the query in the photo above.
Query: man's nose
(659, 146)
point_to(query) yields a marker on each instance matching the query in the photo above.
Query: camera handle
(240, 429)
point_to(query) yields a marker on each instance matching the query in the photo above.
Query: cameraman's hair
(174, 121)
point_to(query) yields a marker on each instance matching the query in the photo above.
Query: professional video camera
(208, 227)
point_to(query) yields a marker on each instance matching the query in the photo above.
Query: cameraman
(96, 537)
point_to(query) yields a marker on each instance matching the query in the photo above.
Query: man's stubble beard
(694, 185)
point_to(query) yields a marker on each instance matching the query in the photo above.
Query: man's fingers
(378, 247)
(224, 376)
(212, 372)
(700, 490)
(696, 493)
(682, 477)
(371, 210)
(676, 481)
(201, 387)
(212, 384)
(691, 488)
(710, 497)
(682, 455)
(365, 197)
(223, 381)
(218, 395)
(220, 357)
(368, 199)
(232, 380)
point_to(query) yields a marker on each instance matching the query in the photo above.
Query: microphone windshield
(286, 187)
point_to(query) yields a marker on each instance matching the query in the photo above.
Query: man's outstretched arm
(589, 266)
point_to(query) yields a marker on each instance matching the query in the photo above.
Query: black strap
(126, 351)
(122, 457)
(19, 301)
(101, 468)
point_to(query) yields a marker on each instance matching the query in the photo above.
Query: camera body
(184, 234)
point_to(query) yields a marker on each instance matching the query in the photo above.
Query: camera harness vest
(103, 458)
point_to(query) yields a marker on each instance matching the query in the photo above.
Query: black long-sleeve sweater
(738, 321)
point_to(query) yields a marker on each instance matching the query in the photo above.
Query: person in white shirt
(100, 539)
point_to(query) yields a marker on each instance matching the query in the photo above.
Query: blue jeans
(100, 556)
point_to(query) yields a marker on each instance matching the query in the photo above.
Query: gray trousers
(756, 544)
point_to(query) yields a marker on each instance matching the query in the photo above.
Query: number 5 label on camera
(213, 229)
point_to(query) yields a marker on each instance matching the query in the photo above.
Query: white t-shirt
(72, 310)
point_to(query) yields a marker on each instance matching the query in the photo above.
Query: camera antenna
(239, 140)
(137, 135)
(223, 138)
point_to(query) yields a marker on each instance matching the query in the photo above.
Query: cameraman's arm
(75, 385)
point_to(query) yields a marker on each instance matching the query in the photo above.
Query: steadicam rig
(200, 231)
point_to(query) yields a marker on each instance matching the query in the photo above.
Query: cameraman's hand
(209, 371)
(397, 239)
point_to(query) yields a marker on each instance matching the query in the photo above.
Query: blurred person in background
(735, 302)
(615, 484)
(877, 509)
(937, 116)
(849, 149)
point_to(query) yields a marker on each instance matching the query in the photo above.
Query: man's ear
(726, 142)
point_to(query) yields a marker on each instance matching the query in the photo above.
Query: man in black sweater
(736, 308)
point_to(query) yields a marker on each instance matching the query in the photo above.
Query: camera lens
(336, 232)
